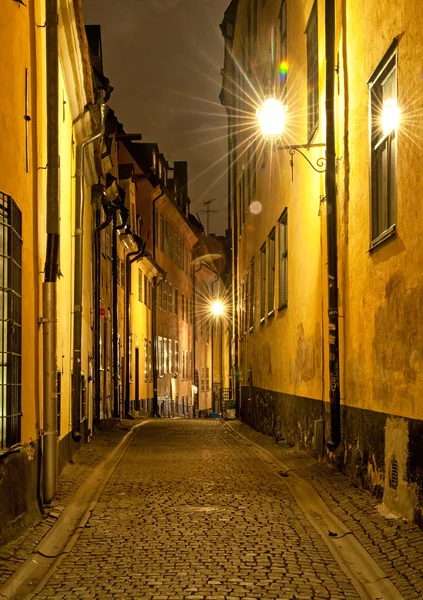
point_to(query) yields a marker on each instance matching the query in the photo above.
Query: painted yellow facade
(283, 354)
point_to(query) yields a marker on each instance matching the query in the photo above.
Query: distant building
(326, 265)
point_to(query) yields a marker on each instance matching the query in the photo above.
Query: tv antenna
(208, 210)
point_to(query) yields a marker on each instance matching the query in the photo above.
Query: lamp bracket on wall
(293, 148)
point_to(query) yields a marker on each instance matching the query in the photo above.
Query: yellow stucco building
(326, 259)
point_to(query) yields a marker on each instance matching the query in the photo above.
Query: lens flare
(283, 68)
(255, 207)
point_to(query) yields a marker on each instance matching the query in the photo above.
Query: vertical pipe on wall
(78, 272)
(52, 251)
(330, 181)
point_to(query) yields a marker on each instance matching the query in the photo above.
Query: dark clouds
(163, 58)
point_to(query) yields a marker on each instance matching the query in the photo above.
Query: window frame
(386, 68)
(271, 265)
(283, 257)
(312, 33)
(263, 282)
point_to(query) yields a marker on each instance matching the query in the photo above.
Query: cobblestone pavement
(190, 513)
(13, 554)
(395, 544)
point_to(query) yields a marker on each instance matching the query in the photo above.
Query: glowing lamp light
(390, 116)
(271, 116)
(217, 308)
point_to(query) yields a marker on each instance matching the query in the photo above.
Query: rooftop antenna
(208, 211)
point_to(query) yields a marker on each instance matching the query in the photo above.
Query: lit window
(312, 73)
(251, 307)
(384, 124)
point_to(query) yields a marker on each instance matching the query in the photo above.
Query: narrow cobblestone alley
(190, 513)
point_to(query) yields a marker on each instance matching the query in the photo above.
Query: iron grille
(10, 321)
(59, 400)
(394, 473)
(83, 398)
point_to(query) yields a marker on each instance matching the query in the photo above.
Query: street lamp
(217, 308)
(272, 116)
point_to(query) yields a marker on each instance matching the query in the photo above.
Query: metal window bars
(10, 321)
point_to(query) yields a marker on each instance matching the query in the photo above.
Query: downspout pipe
(331, 220)
(154, 312)
(115, 341)
(78, 272)
(49, 289)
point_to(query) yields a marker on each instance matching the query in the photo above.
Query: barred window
(11, 321)
(59, 401)
(160, 356)
(251, 306)
(83, 398)
(176, 357)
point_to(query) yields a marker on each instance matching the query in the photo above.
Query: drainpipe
(331, 220)
(49, 291)
(154, 313)
(78, 275)
(97, 320)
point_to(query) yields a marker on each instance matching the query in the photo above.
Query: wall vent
(394, 474)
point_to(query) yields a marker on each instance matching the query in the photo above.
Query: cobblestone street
(190, 512)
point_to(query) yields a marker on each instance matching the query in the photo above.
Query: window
(202, 379)
(145, 291)
(122, 273)
(176, 302)
(271, 273)
(162, 233)
(169, 298)
(160, 295)
(164, 285)
(170, 357)
(139, 285)
(283, 65)
(165, 356)
(150, 362)
(118, 270)
(383, 103)
(10, 321)
(283, 259)
(160, 356)
(207, 379)
(83, 397)
(59, 401)
(176, 357)
(183, 306)
(191, 312)
(312, 73)
(262, 281)
(251, 307)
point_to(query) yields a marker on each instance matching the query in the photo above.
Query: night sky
(163, 58)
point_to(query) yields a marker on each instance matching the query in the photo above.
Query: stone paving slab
(395, 544)
(190, 513)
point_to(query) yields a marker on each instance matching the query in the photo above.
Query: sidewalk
(13, 554)
(395, 544)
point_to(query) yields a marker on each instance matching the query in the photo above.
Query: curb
(367, 577)
(57, 542)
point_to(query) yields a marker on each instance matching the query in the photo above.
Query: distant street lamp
(217, 308)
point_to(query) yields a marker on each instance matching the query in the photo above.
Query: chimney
(180, 176)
